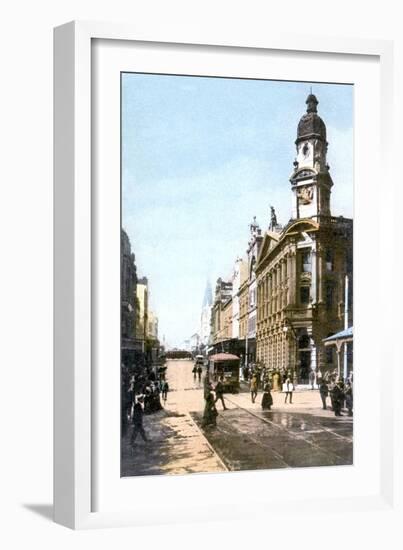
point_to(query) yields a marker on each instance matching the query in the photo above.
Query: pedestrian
(148, 399)
(331, 392)
(276, 381)
(194, 370)
(267, 399)
(312, 378)
(342, 386)
(219, 393)
(288, 388)
(324, 392)
(199, 372)
(207, 385)
(338, 399)
(155, 403)
(137, 420)
(210, 412)
(349, 398)
(165, 390)
(253, 388)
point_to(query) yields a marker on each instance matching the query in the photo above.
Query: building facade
(238, 278)
(302, 270)
(254, 245)
(205, 318)
(152, 331)
(142, 308)
(128, 274)
(221, 315)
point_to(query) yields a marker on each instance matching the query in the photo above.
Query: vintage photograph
(236, 274)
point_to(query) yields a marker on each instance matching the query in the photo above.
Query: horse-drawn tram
(225, 367)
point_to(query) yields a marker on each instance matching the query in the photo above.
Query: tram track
(288, 432)
(323, 427)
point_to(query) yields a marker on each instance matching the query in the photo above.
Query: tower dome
(311, 125)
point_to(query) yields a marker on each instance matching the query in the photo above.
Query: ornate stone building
(254, 245)
(238, 277)
(221, 315)
(128, 301)
(301, 270)
(243, 309)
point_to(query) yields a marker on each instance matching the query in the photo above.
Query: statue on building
(273, 219)
(254, 227)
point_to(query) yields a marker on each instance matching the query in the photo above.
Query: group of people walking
(144, 398)
(197, 371)
(212, 395)
(267, 399)
(341, 394)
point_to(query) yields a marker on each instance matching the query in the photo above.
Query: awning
(339, 338)
(224, 357)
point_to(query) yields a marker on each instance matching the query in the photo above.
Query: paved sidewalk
(176, 446)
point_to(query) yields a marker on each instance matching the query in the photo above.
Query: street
(300, 434)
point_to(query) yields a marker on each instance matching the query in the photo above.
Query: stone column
(293, 273)
(319, 261)
(282, 278)
(314, 297)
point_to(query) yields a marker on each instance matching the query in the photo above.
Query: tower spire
(311, 181)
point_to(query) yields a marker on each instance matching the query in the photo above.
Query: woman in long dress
(267, 399)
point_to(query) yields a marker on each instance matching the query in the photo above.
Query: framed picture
(209, 293)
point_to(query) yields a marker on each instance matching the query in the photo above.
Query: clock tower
(310, 181)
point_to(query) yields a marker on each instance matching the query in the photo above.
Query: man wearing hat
(137, 420)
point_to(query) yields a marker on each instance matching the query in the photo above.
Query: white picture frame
(76, 393)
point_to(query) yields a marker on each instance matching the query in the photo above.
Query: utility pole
(246, 344)
(345, 327)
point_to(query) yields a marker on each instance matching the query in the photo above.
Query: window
(251, 298)
(304, 293)
(306, 266)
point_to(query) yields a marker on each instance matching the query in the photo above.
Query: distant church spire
(208, 295)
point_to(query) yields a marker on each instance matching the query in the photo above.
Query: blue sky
(202, 156)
